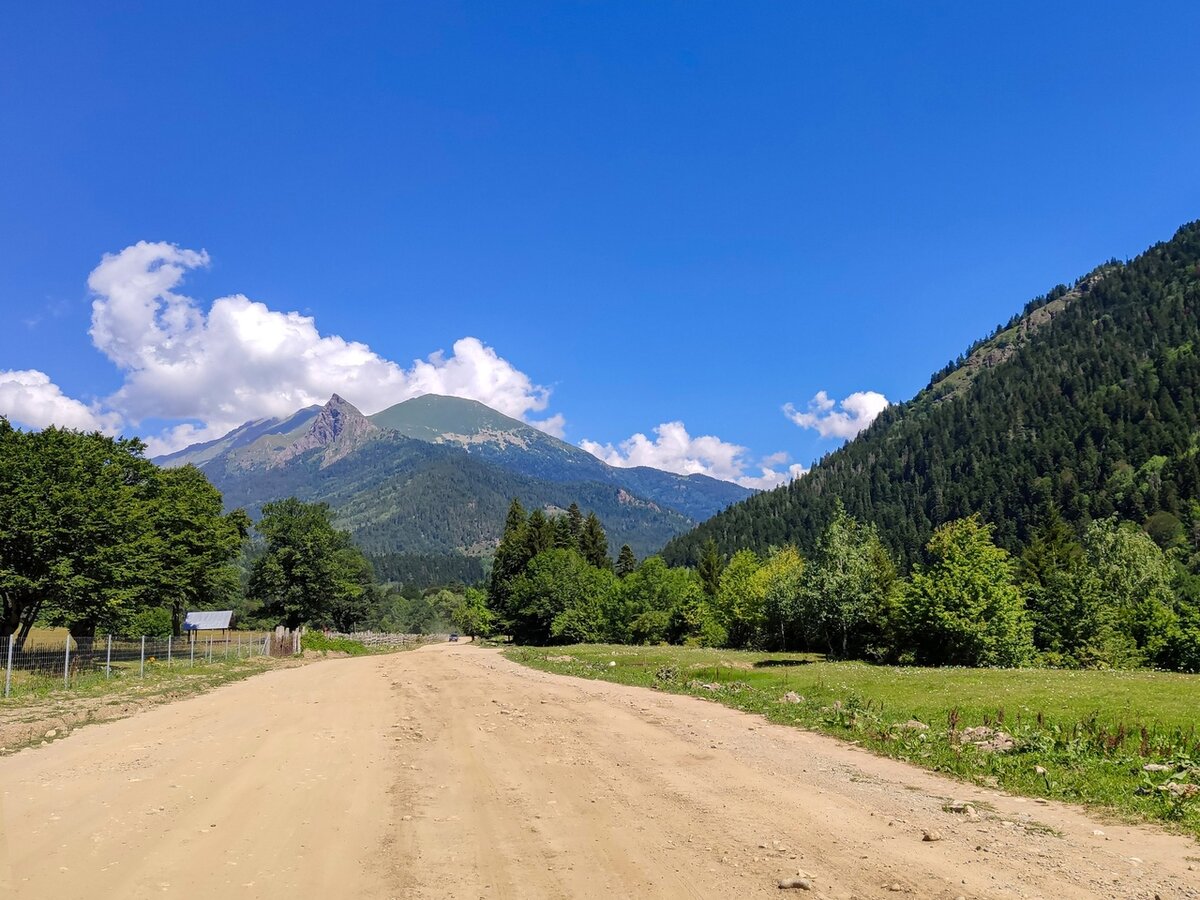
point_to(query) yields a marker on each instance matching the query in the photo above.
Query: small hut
(208, 621)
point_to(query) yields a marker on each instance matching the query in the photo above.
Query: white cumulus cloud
(674, 450)
(769, 477)
(242, 360)
(555, 425)
(28, 397)
(857, 412)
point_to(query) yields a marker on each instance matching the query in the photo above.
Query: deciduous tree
(310, 573)
(964, 608)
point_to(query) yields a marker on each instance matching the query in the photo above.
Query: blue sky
(671, 212)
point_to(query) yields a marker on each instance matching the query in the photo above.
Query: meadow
(1124, 742)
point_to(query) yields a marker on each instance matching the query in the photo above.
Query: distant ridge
(430, 479)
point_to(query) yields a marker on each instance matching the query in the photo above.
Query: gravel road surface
(451, 772)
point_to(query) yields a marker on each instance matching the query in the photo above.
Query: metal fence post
(67, 664)
(192, 644)
(8, 669)
(142, 666)
(108, 658)
(169, 637)
(210, 639)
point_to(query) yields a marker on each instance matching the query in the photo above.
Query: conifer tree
(711, 565)
(1050, 569)
(511, 556)
(626, 561)
(593, 543)
(539, 534)
(564, 539)
(575, 524)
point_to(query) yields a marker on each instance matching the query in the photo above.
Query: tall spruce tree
(626, 561)
(564, 538)
(1051, 572)
(575, 524)
(512, 555)
(710, 567)
(593, 543)
(539, 534)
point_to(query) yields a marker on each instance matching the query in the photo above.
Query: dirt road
(450, 772)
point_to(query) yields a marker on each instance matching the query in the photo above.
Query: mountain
(1087, 401)
(241, 437)
(521, 448)
(424, 485)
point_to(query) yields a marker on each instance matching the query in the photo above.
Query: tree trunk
(26, 618)
(17, 619)
(84, 633)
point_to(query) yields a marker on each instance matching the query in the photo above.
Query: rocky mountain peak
(339, 427)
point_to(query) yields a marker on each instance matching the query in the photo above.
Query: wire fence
(38, 664)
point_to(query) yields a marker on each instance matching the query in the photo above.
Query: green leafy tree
(1134, 581)
(77, 543)
(472, 616)
(964, 608)
(429, 611)
(780, 581)
(847, 587)
(197, 544)
(154, 622)
(560, 598)
(309, 573)
(738, 605)
(649, 599)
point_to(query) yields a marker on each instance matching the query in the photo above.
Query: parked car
(454, 635)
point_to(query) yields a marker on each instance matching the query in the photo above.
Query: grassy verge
(319, 642)
(30, 688)
(41, 709)
(1124, 742)
(316, 640)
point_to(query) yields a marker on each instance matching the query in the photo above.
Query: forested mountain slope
(513, 445)
(1087, 400)
(424, 486)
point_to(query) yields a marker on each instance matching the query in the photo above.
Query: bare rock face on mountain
(339, 427)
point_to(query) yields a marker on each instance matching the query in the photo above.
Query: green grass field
(32, 687)
(1091, 733)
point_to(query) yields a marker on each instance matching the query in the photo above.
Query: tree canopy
(310, 572)
(92, 534)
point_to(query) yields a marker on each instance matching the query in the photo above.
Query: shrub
(318, 640)
(150, 623)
